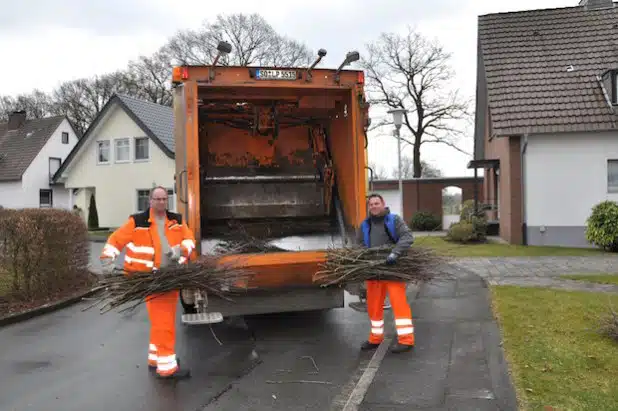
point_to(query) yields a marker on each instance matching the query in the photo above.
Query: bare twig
(139, 287)
(357, 264)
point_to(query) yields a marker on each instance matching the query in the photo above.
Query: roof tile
(526, 57)
(19, 147)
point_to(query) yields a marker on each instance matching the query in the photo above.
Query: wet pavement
(73, 360)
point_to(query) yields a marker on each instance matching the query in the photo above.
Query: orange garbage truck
(282, 153)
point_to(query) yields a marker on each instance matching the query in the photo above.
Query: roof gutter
(522, 154)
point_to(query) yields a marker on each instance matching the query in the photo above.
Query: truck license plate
(262, 74)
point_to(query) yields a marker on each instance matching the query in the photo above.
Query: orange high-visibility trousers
(162, 314)
(376, 293)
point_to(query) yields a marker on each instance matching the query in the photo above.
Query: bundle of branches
(123, 288)
(357, 264)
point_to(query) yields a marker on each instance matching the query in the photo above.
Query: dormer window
(610, 83)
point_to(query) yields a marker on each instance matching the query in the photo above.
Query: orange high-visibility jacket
(141, 239)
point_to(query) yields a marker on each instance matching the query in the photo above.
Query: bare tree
(81, 100)
(254, 42)
(379, 172)
(412, 73)
(407, 169)
(148, 78)
(36, 105)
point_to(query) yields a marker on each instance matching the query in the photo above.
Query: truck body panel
(286, 158)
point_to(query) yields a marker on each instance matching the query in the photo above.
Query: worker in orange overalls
(155, 239)
(380, 228)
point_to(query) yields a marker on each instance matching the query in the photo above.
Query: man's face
(376, 206)
(158, 201)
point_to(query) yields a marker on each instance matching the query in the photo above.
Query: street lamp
(397, 114)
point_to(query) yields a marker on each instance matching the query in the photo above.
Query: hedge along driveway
(44, 258)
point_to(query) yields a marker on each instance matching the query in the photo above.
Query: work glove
(107, 266)
(175, 253)
(391, 259)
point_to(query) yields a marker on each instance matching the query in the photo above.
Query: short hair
(157, 188)
(374, 195)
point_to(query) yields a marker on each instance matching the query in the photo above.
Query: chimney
(17, 119)
(597, 4)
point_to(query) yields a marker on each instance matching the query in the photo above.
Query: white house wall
(565, 176)
(25, 194)
(116, 184)
(12, 194)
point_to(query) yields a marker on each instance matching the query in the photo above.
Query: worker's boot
(399, 348)
(366, 346)
(181, 373)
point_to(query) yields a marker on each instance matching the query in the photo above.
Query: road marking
(359, 391)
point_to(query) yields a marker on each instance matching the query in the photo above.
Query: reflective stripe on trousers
(162, 315)
(376, 294)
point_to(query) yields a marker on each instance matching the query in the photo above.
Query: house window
(122, 153)
(612, 176)
(45, 198)
(54, 165)
(103, 152)
(143, 200)
(65, 137)
(142, 151)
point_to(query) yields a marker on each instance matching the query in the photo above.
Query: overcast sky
(45, 42)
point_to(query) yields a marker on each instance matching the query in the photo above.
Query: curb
(46, 308)
(97, 239)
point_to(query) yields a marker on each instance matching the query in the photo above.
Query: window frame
(51, 197)
(135, 151)
(109, 152)
(612, 162)
(65, 137)
(49, 162)
(128, 148)
(137, 198)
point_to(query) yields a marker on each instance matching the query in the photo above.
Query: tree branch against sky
(410, 72)
(254, 42)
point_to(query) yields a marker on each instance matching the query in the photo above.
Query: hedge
(43, 252)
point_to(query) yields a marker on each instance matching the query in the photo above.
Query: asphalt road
(74, 360)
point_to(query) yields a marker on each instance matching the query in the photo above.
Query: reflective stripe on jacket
(140, 237)
(389, 226)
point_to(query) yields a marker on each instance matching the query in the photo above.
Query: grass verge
(495, 249)
(611, 279)
(558, 359)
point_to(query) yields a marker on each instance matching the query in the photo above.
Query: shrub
(461, 232)
(472, 226)
(425, 221)
(43, 252)
(602, 226)
(467, 211)
(93, 215)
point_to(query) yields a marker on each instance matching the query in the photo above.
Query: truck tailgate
(278, 269)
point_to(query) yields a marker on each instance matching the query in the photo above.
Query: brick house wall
(508, 151)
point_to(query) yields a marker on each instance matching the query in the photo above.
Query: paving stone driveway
(541, 271)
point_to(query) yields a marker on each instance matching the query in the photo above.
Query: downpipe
(524, 225)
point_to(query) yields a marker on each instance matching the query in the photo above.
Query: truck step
(202, 318)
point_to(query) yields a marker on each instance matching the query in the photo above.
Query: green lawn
(495, 249)
(593, 278)
(556, 356)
